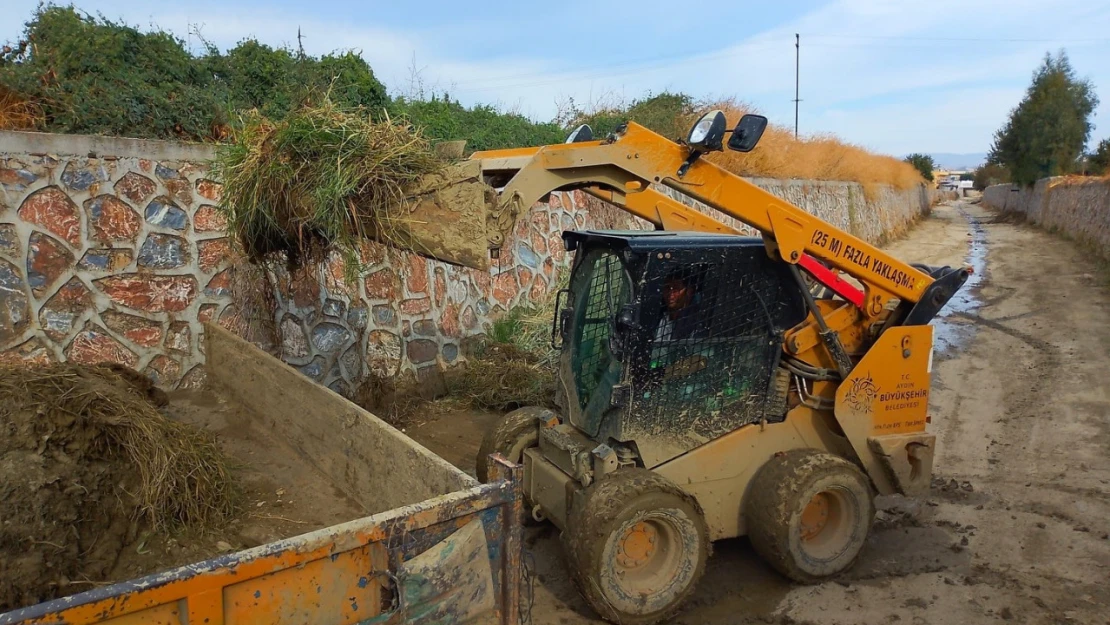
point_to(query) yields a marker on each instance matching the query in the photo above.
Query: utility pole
(797, 53)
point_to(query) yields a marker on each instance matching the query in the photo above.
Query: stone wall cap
(94, 146)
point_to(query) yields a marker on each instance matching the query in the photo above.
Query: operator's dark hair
(688, 275)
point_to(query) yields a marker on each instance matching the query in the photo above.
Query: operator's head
(676, 293)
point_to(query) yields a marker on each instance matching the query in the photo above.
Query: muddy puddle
(950, 331)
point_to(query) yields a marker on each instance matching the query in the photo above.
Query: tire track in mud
(983, 294)
(1024, 347)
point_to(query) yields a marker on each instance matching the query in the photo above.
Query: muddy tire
(509, 436)
(808, 514)
(636, 546)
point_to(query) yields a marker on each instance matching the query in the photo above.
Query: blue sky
(893, 76)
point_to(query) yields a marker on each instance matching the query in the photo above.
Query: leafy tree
(988, 174)
(1099, 160)
(1047, 131)
(923, 163)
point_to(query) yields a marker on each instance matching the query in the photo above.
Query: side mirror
(580, 134)
(560, 324)
(623, 330)
(747, 133)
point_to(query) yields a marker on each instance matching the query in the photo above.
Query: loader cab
(671, 339)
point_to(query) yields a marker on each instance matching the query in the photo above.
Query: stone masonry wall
(1077, 207)
(112, 249)
(407, 314)
(114, 257)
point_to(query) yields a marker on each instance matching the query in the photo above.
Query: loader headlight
(580, 134)
(708, 133)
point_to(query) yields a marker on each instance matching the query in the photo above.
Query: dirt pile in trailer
(86, 463)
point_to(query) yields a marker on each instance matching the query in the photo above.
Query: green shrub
(94, 76)
(666, 113)
(482, 126)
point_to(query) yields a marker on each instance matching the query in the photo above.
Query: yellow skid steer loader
(710, 385)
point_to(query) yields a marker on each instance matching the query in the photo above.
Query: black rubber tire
(616, 505)
(779, 494)
(509, 436)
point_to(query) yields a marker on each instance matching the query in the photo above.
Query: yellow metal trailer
(440, 547)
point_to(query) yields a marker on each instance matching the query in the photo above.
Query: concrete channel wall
(1076, 207)
(874, 217)
(113, 250)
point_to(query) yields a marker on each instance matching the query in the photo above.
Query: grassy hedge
(83, 74)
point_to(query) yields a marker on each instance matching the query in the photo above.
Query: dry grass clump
(323, 178)
(18, 113)
(502, 376)
(817, 157)
(402, 400)
(514, 364)
(95, 414)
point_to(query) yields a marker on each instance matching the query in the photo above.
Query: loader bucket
(445, 217)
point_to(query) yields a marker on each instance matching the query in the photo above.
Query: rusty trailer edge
(196, 592)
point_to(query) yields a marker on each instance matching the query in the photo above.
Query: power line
(968, 39)
(634, 66)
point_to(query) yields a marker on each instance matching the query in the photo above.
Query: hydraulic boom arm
(622, 171)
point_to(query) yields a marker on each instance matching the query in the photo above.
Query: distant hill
(949, 160)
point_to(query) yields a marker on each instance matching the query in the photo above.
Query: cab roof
(650, 240)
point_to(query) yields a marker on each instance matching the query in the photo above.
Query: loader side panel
(886, 397)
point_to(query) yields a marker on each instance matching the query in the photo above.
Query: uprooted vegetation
(324, 178)
(513, 364)
(86, 464)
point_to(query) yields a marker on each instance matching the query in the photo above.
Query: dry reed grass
(502, 376)
(18, 113)
(816, 157)
(322, 179)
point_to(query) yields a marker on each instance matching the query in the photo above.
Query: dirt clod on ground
(86, 463)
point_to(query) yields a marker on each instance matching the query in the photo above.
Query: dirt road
(1016, 526)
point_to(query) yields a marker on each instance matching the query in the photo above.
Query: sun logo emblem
(861, 395)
